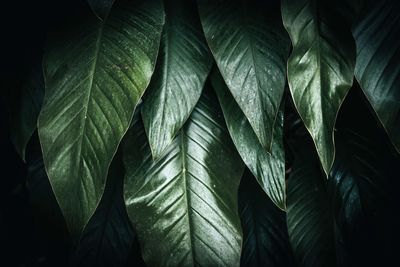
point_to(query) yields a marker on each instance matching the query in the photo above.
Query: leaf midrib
(183, 148)
(90, 87)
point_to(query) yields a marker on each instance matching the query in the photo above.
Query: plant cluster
(208, 129)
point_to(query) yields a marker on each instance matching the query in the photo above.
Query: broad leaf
(108, 237)
(269, 169)
(182, 68)
(184, 204)
(309, 217)
(321, 66)
(378, 57)
(95, 75)
(250, 47)
(265, 236)
(26, 112)
(101, 7)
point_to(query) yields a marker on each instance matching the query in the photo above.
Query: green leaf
(320, 68)
(250, 47)
(309, 216)
(269, 169)
(184, 204)
(108, 236)
(378, 57)
(101, 7)
(26, 112)
(181, 71)
(265, 236)
(95, 74)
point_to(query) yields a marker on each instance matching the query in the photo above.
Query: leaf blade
(91, 93)
(268, 169)
(175, 192)
(265, 237)
(181, 71)
(250, 47)
(309, 216)
(320, 68)
(377, 69)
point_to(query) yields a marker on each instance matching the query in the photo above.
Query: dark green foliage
(135, 120)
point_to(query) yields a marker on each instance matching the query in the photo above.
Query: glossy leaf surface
(268, 169)
(378, 57)
(101, 7)
(184, 204)
(321, 66)
(26, 112)
(95, 74)
(265, 236)
(309, 217)
(182, 68)
(250, 47)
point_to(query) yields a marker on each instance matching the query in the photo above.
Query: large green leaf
(26, 112)
(269, 169)
(95, 74)
(184, 204)
(309, 216)
(378, 56)
(320, 68)
(181, 71)
(265, 236)
(101, 7)
(250, 46)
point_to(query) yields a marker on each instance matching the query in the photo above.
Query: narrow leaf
(182, 68)
(321, 66)
(26, 112)
(95, 75)
(187, 198)
(101, 7)
(269, 169)
(378, 57)
(309, 217)
(265, 236)
(250, 47)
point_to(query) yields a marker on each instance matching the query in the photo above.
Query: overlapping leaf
(265, 236)
(269, 169)
(363, 188)
(378, 57)
(358, 191)
(101, 7)
(26, 112)
(250, 47)
(95, 74)
(108, 237)
(183, 65)
(187, 199)
(309, 217)
(321, 66)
